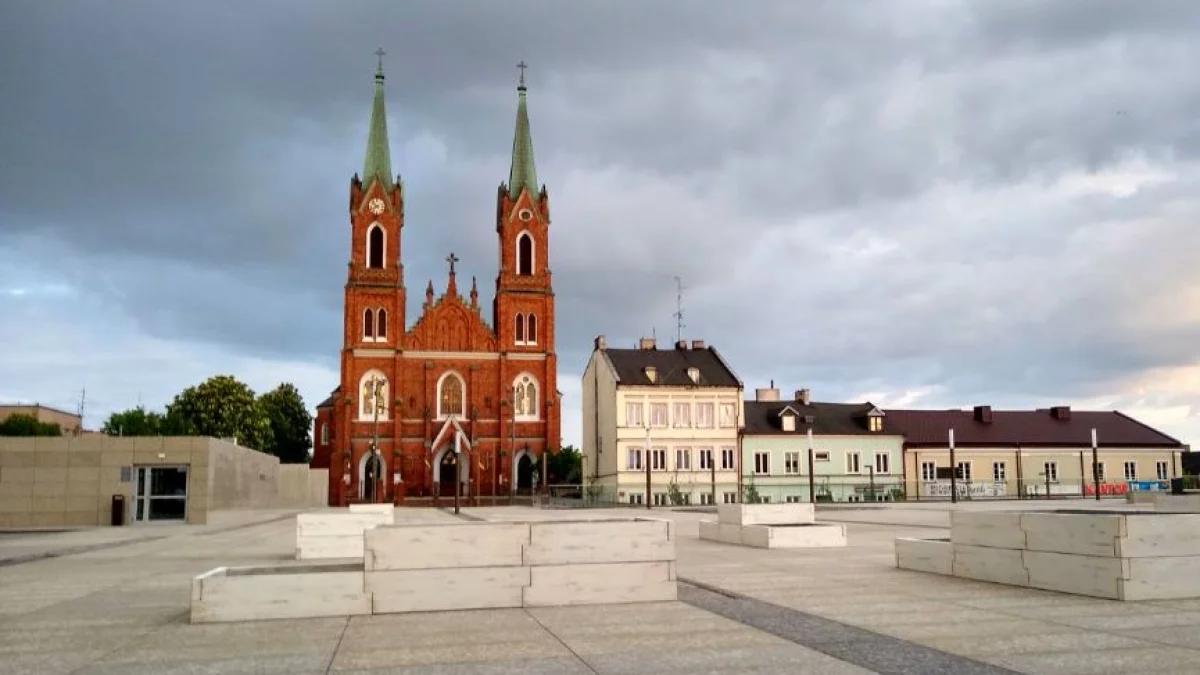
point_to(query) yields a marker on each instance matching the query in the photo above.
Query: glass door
(160, 493)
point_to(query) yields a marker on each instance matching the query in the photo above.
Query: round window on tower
(525, 215)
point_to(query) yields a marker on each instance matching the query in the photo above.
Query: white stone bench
(388, 511)
(279, 592)
(789, 525)
(334, 534)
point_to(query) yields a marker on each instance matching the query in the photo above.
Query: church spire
(522, 174)
(378, 163)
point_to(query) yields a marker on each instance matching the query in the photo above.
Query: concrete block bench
(771, 526)
(336, 534)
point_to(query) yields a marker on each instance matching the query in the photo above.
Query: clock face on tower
(376, 206)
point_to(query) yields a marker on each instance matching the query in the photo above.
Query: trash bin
(118, 510)
(1176, 486)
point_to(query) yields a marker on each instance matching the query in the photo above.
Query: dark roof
(829, 419)
(672, 366)
(930, 428)
(328, 403)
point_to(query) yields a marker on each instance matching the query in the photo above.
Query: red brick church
(454, 394)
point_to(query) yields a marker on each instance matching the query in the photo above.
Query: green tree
(566, 466)
(135, 422)
(291, 425)
(221, 407)
(20, 424)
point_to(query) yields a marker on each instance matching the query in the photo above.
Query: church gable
(451, 326)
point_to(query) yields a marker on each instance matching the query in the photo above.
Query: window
(325, 433)
(706, 459)
(633, 459)
(791, 462)
(853, 462)
(658, 414)
(661, 499)
(1130, 470)
(789, 422)
(694, 374)
(381, 325)
(1050, 471)
(1100, 471)
(524, 254)
(793, 499)
(964, 471)
(368, 325)
(658, 459)
(704, 415)
(883, 462)
(373, 396)
(450, 390)
(1162, 470)
(875, 423)
(820, 455)
(636, 498)
(727, 415)
(729, 497)
(683, 415)
(519, 335)
(999, 472)
(764, 499)
(706, 499)
(525, 398)
(928, 471)
(683, 459)
(633, 414)
(727, 462)
(375, 244)
(531, 329)
(762, 463)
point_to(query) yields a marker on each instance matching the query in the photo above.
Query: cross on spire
(451, 259)
(522, 66)
(380, 54)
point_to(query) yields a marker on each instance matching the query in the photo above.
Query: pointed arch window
(375, 246)
(381, 325)
(368, 325)
(525, 398)
(525, 254)
(373, 396)
(531, 329)
(451, 396)
(519, 337)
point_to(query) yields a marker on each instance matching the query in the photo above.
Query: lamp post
(512, 447)
(953, 472)
(1095, 466)
(648, 499)
(376, 388)
(812, 479)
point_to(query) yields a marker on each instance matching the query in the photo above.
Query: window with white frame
(658, 414)
(706, 459)
(764, 499)
(875, 423)
(373, 396)
(706, 499)
(633, 459)
(525, 398)
(793, 499)
(658, 459)
(451, 396)
(519, 330)
(791, 462)
(883, 462)
(820, 455)
(368, 325)
(964, 471)
(928, 471)
(789, 422)
(762, 463)
(376, 246)
(633, 414)
(1100, 475)
(637, 498)
(999, 472)
(531, 329)
(683, 459)
(325, 433)
(728, 415)
(729, 497)
(661, 499)
(1162, 470)
(853, 462)
(704, 415)
(381, 325)
(683, 415)
(1050, 471)
(727, 459)
(1130, 470)
(685, 498)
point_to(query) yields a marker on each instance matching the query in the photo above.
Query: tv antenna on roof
(679, 325)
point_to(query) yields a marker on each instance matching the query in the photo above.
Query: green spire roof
(379, 160)
(523, 173)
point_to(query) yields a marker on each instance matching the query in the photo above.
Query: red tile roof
(1026, 428)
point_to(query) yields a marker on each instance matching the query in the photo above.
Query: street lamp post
(376, 388)
(812, 479)
(953, 472)
(1095, 466)
(648, 496)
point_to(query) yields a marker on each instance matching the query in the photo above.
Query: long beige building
(668, 415)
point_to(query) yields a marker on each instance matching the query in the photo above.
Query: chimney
(601, 343)
(1061, 412)
(698, 344)
(803, 396)
(766, 395)
(647, 343)
(681, 345)
(983, 413)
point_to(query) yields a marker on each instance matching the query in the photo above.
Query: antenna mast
(678, 309)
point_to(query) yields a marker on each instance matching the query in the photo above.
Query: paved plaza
(115, 600)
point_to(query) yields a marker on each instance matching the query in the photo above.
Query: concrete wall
(302, 487)
(240, 477)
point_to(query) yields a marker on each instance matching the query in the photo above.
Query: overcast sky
(929, 204)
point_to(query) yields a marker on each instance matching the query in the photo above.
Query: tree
(565, 466)
(222, 407)
(291, 425)
(20, 424)
(135, 422)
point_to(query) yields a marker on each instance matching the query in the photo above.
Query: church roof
(522, 174)
(378, 162)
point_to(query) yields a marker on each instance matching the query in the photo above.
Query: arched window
(520, 335)
(525, 254)
(525, 397)
(324, 433)
(451, 396)
(381, 325)
(368, 325)
(531, 330)
(372, 396)
(375, 246)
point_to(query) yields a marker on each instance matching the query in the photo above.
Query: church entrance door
(524, 474)
(447, 473)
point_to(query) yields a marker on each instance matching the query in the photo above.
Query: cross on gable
(522, 66)
(451, 259)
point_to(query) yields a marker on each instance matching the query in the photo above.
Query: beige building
(670, 415)
(1032, 453)
(74, 481)
(70, 423)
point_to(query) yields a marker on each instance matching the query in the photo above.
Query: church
(455, 402)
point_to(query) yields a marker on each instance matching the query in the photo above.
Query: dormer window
(789, 422)
(694, 374)
(875, 423)
(652, 374)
